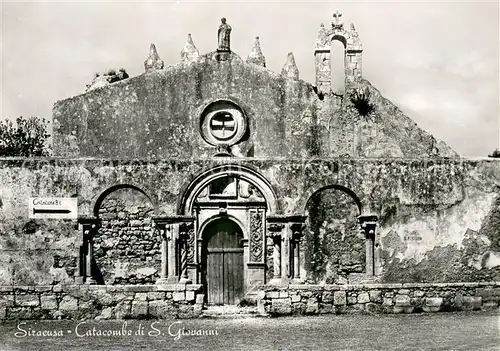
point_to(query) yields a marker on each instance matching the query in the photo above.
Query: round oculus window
(222, 123)
(223, 126)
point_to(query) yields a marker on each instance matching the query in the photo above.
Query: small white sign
(53, 207)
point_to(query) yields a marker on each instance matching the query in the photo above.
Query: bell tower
(322, 54)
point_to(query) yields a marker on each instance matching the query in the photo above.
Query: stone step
(229, 312)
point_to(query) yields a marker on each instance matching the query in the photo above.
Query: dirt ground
(440, 331)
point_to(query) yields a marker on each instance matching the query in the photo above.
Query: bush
(26, 137)
(496, 153)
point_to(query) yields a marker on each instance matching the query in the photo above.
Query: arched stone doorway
(222, 262)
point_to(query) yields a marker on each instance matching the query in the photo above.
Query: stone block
(122, 310)
(29, 300)
(190, 296)
(306, 294)
(139, 309)
(68, 303)
(281, 306)
(472, 302)
(141, 288)
(141, 296)
(272, 294)
(359, 307)
(155, 295)
(283, 294)
(20, 313)
(489, 305)
(419, 293)
(106, 313)
(312, 306)
(371, 307)
(432, 304)
(194, 287)
(393, 286)
(299, 308)
(402, 309)
(404, 291)
(48, 302)
(261, 308)
(295, 298)
(387, 301)
(434, 301)
(3, 313)
(325, 308)
(363, 297)
(339, 298)
(200, 298)
(375, 296)
(104, 298)
(327, 297)
(160, 309)
(179, 296)
(260, 295)
(402, 300)
(352, 300)
(197, 310)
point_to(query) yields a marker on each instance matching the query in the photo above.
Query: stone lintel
(172, 219)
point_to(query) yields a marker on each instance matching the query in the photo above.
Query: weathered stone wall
(100, 302)
(159, 114)
(160, 111)
(378, 298)
(438, 219)
(126, 249)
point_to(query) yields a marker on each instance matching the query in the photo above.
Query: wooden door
(223, 263)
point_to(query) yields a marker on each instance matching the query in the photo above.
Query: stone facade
(219, 176)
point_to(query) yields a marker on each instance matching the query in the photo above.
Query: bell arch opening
(337, 65)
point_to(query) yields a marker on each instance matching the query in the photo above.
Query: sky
(438, 61)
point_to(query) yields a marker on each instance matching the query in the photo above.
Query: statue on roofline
(224, 36)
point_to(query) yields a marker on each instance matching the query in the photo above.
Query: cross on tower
(336, 17)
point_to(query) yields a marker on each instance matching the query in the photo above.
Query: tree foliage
(24, 137)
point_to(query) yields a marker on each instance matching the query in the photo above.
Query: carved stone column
(276, 231)
(186, 248)
(297, 229)
(160, 231)
(177, 241)
(88, 226)
(368, 225)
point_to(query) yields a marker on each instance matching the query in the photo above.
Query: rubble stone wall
(378, 298)
(100, 301)
(126, 248)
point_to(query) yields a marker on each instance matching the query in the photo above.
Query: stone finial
(189, 52)
(351, 26)
(153, 61)
(290, 69)
(256, 57)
